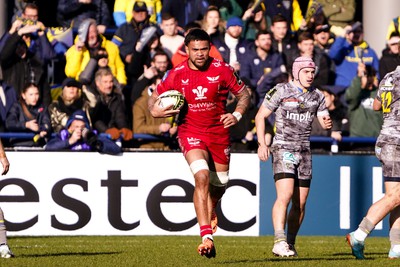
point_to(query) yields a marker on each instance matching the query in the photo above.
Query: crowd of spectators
(105, 63)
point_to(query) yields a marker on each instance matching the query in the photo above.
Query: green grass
(181, 251)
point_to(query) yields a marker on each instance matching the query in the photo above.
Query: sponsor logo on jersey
(217, 63)
(289, 158)
(213, 79)
(179, 68)
(200, 91)
(298, 117)
(291, 102)
(202, 106)
(185, 82)
(388, 85)
(193, 141)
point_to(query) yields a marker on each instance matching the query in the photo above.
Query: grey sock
(394, 236)
(3, 236)
(366, 225)
(279, 236)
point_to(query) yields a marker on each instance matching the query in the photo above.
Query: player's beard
(203, 66)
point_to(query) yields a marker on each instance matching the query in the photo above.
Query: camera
(90, 137)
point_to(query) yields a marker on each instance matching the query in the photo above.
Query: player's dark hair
(197, 35)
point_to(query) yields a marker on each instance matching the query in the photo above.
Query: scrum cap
(301, 63)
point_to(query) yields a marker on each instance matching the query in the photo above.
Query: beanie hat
(78, 115)
(234, 21)
(301, 63)
(70, 82)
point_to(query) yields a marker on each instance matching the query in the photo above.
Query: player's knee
(219, 179)
(198, 165)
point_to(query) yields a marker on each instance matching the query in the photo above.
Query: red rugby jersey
(205, 93)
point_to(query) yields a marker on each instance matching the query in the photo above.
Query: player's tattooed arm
(243, 101)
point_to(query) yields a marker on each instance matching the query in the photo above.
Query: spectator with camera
(20, 66)
(364, 120)
(347, 52)
(79, 136)
(33, 33)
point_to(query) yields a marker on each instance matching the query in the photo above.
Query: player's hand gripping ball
(172, 97)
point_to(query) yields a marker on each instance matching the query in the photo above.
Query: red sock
(205, 230)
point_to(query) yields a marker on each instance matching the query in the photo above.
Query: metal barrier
(148, 137)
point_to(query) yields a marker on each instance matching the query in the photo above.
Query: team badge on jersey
(200, 91)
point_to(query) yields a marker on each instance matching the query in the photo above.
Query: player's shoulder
(219, 65)
(317, 91)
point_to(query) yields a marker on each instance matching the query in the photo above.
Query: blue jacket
(39, 46)
(11, 98)
(242, 49)
(16, 118)
(253, 67)
(99, 143)
(347, 56)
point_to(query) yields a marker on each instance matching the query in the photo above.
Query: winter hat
(301, 63)
(78, 115)
(234, 21)
(70, 82)
(139, 6)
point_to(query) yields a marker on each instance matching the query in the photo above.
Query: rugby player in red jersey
(203, 125)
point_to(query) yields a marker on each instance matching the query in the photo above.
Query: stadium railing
(148, 137)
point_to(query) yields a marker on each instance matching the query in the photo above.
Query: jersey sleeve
(166, 83)
(273, 98)
(322, 110)
(233, 81)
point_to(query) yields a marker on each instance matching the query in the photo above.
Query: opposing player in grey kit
(295, 105)
(387, 150)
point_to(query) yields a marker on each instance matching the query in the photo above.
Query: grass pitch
(181, 251)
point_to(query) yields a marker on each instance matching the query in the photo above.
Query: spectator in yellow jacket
(87, 43)
(123, 11)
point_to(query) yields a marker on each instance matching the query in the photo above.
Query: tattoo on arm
(243, 101)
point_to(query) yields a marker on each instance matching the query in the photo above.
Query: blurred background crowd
(76, 74)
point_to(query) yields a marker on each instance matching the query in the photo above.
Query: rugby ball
(172, 97)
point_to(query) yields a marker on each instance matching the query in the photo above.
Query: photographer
(79, 136)
(32, 32)
(364, 121)
(348, 51)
